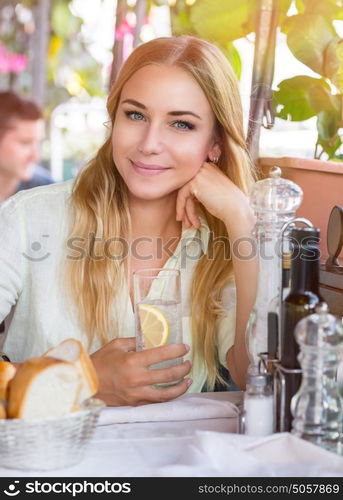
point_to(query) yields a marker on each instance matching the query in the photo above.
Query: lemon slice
(155, 326)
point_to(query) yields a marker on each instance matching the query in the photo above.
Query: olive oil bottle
(301, 301)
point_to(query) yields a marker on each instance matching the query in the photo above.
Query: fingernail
(187, 347)
(189, 381)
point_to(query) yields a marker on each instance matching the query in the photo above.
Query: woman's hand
(219, 195)
(125, 376)
(224, 200)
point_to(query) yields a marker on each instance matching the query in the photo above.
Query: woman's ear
(214, 153)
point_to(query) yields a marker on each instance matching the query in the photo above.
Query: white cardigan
(34, 226)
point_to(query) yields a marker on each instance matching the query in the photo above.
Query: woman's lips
(143, 169)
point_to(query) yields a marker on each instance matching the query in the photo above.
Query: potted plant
(312, 38)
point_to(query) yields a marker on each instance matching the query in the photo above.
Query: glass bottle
(317, 406)
(274, 201)
(301, 301)
(274, 309)
(259, 405)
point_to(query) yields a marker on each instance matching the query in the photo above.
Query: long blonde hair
(100, 199)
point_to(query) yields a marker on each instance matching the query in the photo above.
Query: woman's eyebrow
(135, 103)
(179, 113)
(172, 113)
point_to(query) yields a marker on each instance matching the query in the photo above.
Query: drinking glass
(159, 291)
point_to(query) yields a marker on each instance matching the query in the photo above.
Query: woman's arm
(11, 257)
(245, 267)
(224, 200)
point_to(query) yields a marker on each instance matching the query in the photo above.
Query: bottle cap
(305, 234)
(305, 243)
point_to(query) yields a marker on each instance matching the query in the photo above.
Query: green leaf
(330, 146)
(292, 100)
(181, 23)
(327, 125)
(334, 63)
(330, 9)
(299, 4)
(308, 36)
(223, 20)
(63, 22)
(284, 6)
(321, 99)
(233, 56)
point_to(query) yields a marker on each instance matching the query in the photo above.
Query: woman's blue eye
(134, 115)
(183, 125)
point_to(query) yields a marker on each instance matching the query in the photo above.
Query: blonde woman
(171, 178)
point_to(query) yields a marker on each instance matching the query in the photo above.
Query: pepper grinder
(274, 201)
(317, 406)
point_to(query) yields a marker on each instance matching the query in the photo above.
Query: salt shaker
(317, 406)
(259, 405)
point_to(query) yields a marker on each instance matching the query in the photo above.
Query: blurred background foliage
(72, 70)
(311, 37)
(69, 68)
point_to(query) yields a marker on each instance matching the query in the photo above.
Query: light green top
(34, 228)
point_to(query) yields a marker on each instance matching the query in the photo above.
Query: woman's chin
(151, 194)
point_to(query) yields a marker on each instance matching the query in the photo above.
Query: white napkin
(234, 455)
(187, 407)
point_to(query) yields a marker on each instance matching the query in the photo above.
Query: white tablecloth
(206, 447)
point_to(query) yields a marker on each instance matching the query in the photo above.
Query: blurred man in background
(21, 128)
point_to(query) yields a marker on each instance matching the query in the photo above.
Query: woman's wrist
(240, 223)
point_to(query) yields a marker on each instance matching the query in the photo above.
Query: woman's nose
(151, 141)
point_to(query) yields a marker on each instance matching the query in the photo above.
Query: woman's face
(163, 131)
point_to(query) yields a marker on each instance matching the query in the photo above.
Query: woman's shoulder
(49, 194)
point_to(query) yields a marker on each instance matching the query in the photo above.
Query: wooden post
(118, 44)
(40, 50)
(140, 13)
(261, 107)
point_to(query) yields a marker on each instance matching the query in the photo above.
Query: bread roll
(7, 372)
(3, 413)
(72, 350)
(43, 387)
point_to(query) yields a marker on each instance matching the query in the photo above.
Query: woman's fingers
(164, 353)
(181, 200)
(167, 375)
(149, 375)
(172, 374)
(186, 208)
(186, 221)
(162, 394)
(125, 344)
(192, 213)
